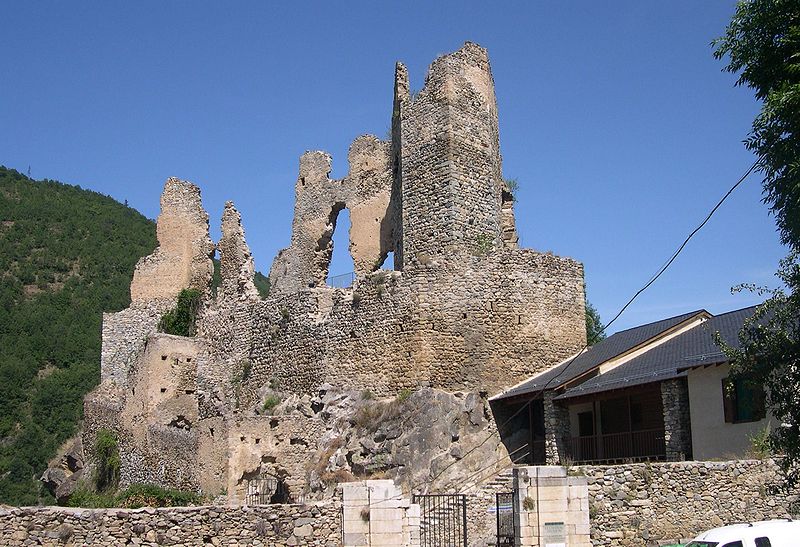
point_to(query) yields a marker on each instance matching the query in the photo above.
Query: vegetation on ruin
(66, 256)
(762, 45)
(133, 497)
(182, 319)
(372, 413)
(270, 403)
(106, 451)
(512, 185)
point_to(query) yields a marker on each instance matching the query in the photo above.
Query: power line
(647, 285)
(652, 280)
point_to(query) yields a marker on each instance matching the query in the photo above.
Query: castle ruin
(463, 313)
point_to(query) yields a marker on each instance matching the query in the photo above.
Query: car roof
(751, 530)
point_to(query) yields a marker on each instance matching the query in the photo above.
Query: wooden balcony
(644, 445)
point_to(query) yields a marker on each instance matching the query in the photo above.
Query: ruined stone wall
(649, 504)
(480, 323)
(318, 525)
(183, 256)
(365, 191)
(450, 158)
(181, 260)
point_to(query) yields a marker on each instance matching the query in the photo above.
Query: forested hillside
(66, 255)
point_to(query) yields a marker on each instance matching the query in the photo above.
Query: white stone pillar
(376, 513)
(551, 508)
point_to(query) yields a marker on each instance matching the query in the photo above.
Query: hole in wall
(241, 439)
(258, 441)
(163, 390)
(388, 262)
(163, 357)
(188, 391)
(211, 431)
(341, 265)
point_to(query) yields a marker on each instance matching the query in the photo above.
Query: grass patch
(270, 403)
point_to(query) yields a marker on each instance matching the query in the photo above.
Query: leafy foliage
(134, 497)
(261, 282)
(66, 256)
(108, 461)
(181, 320)
(762, 43)
(769, 353)
(594, 325)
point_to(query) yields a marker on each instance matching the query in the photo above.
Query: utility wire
(652, 280)
(647, 285)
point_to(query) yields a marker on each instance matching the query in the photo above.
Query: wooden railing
(647, 444)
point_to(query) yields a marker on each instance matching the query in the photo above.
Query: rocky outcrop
(65, 471)
(427, 440)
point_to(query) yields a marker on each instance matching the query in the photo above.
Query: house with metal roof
(659, 391)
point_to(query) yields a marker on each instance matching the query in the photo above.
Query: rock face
(464, 314)
(62, 476)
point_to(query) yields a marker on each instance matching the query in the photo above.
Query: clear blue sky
(614, 117)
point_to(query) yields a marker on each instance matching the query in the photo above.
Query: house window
(743, 401)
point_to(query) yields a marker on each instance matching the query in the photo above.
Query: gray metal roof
(616, 344)
(693, 348)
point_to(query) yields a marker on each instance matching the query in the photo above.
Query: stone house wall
(652, 504)
(677, 423)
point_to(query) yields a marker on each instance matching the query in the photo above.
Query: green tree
(594, 325)
(762, 46)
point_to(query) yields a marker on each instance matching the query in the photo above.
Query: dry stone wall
(290, 525)
(654, 504)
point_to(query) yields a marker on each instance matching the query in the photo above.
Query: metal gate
(443, 521)
(504, 502)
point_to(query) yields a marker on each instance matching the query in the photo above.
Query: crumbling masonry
(463, 309)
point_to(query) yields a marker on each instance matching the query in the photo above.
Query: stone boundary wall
(654, 504)
(318, 525)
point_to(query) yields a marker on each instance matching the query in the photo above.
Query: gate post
(551, 507)
(374, 512)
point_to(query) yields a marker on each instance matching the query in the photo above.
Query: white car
(768, 533)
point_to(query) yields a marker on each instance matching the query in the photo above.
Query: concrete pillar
(551, 508)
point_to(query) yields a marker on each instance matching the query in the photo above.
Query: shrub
(270, 402)
(512, 185)
(181, 320)
(403, 395)
(760, 446)
(150, 495)
(528, 504)
(108, 460)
